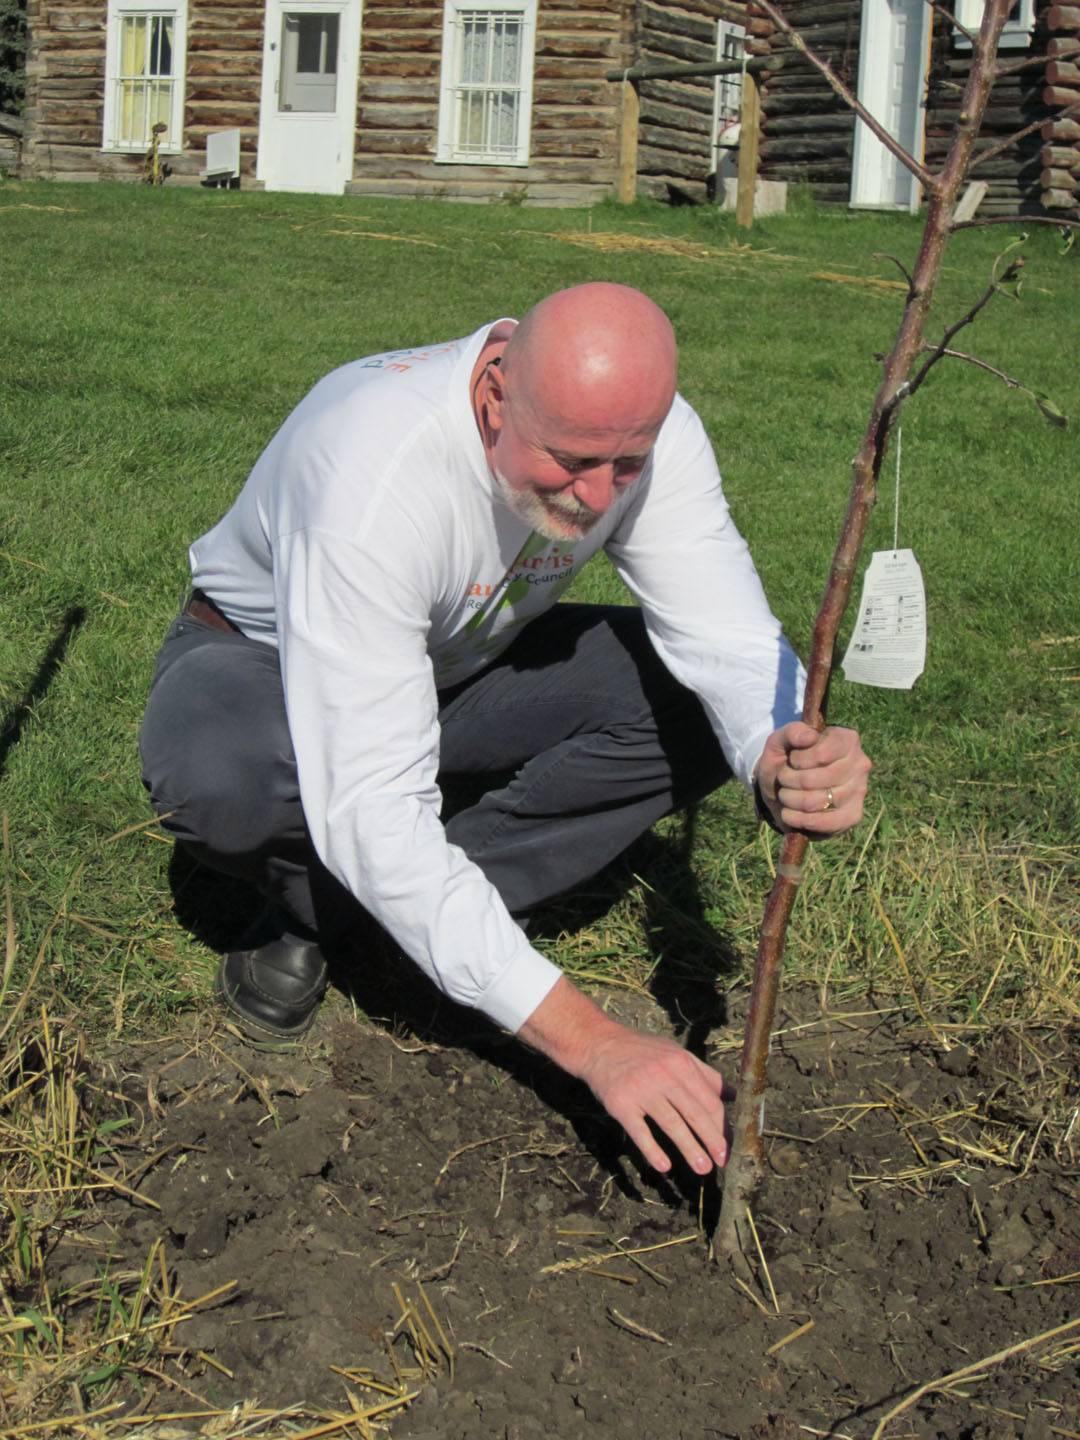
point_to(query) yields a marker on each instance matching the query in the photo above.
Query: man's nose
(596, 487)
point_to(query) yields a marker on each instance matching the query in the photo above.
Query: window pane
(317, 38)
(488, 89)
(309, 52)
(161, 45)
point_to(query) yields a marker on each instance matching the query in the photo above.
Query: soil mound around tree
(457, 1217)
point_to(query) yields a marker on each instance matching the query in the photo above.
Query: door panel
(892, 77)
(307, 118)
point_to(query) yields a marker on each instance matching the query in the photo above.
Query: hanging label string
(896, 503)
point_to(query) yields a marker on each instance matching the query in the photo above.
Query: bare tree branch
(884, 255)
(746, 1164)
(937, 352)
(1043, 403)
(1008, 380)
(1030, 61)
(996, 150)
(924, 176)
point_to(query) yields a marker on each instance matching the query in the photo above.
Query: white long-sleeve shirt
(372, 548)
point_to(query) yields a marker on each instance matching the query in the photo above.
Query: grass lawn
(155, 339)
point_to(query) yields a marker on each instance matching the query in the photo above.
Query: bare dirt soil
(418, 1156)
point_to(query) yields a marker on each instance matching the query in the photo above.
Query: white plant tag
(888, 645)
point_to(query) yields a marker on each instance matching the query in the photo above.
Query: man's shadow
(689, 961)
(15, 721)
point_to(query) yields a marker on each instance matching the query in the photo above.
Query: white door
(893, 56)
(727, 104)
(307, 118)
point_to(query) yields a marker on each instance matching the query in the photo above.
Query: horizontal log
(225, 22)
(398, 116)
(220, 43)
(808, 170)
(1062, 72)
(425, 88)
(68, 134)
(1058, 180)
(550, 118)
(548, 69)
(1063, 17)
(842, 122)
(815, 148)
(195, 135)
(1060, 157)
(391, 167)
(1061, 45)
(803, 16)
(604, 47)
(544, 145)
(811, 107)
(53, 49)
(63, 22)
(385, 142)
(675, 141)
(685, 72)
(215, 66)
(1059, 199)
(218, 116)
(1059, 95)
(402, 42)
(669, 50)
(663, 18)
(209, 93)
(84, 88)
(941, 119)
(398, 67)
(1063, 129)
(415, 17)
(71, 67)
(663, 101)
(597, 94)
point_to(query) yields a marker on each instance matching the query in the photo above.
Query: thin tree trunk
(746, 1167)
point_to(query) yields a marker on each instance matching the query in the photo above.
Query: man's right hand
(637, 1078)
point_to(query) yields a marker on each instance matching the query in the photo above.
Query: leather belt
(203, 608)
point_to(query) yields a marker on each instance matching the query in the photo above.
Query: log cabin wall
(808, 131)
(65, 88)
(675, 135)
(1016, 179)
(573, 121)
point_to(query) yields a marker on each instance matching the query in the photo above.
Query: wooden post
(629, 109)
(749, 124)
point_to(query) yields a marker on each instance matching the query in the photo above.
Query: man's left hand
(811, 781)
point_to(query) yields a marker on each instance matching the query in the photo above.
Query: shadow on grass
(690, 962)
(14, 723)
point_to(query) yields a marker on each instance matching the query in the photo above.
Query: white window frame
(725, 32)
(1015, 36)
(446, 152)
(172, 142)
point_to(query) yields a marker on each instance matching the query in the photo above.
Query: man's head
(572, 412)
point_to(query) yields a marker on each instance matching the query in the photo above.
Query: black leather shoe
(274, 990)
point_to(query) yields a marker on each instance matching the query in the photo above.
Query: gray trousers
(572, 744)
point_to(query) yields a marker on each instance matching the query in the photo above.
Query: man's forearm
(566, 1027)
(637, 1078)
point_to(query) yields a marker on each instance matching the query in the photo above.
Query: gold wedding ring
(830, 800)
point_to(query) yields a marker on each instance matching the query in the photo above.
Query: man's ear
(495, 396)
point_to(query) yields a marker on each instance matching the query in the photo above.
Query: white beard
(557, 518)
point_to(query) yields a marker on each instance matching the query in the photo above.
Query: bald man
(376, 615)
